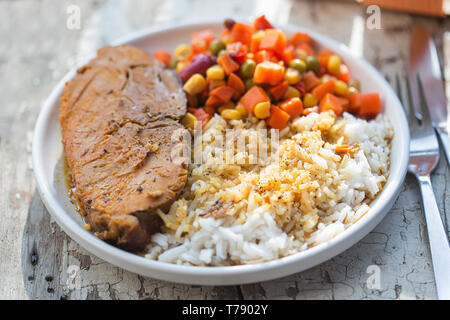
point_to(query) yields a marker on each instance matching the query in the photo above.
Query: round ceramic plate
(47, 150)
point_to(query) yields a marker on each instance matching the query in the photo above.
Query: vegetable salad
(257, 69)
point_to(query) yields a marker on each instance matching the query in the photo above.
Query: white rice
(307, 198)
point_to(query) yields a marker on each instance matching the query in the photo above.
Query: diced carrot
(278, 118)
(354, 103)
(278, 91)
(242, 32)
(314, 109)
(236, 83)
(210, 110)
(261, 23)
(346, 148)
(163, 56)
(274, 40)
(255, 41)
(322, 89)
(300, 38)
(227, 63)
(310, 80)
(344, 73)
(201, 40)
(213, 102)
(323, 57)
(252, 97)
(331, 102)
(224, 93)
(265, 55)
(370, 105)
(293, 106)
(268, 72)
(288, 55)
(202, 116)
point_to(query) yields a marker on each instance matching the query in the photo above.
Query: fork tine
(398, 89)
(426, 119)
(412, 116)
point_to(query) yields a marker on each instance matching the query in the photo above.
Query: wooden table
(37, 257)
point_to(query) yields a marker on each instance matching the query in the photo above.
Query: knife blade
(424, 61)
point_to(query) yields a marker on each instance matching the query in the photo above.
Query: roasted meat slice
(118, 118)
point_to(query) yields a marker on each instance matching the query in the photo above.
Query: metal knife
(424, 60)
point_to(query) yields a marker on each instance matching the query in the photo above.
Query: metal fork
(424, 156)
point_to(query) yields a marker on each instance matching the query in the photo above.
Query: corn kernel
(181, 65)
(216, 83)
(291, 92)
(231, 114)
(226, 39)
(340, 87)
(228, 105)
(182, 51)
(241, 109)
(215, 72)
(189, 120)
(292, 76)
(309, 100)
(334, 64)
(195, 84)
(262, 110)
(87, 227)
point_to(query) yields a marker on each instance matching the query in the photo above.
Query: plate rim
(220, 275)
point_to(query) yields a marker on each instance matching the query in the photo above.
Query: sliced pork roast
(118, 115)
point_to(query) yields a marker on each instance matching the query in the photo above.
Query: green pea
(216, 46)
(222, 53)
(173, 63)
(249, 83)
(248, 68)
(298, 65)
(312, 63)
(309, 100)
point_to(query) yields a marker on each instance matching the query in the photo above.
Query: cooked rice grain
(234, 214)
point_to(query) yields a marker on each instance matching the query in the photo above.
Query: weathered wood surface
(37, 258)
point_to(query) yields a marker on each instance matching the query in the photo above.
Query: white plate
(47, 149)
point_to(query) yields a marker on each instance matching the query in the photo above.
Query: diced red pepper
(237, 51)
(261, 23)
(202, 116)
